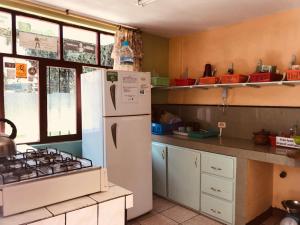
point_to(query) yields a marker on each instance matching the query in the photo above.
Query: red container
(293, 74)
(265, 77)
(184, 82)
(233, 78)
(272, 140)
(209, 80)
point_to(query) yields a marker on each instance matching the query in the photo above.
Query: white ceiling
(174, 17)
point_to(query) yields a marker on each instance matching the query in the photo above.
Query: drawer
(218, 164)
(217, 186)
(217, 208)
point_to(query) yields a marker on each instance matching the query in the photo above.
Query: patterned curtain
(134, 38)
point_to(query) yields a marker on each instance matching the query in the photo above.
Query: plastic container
(272, 140)
(203, 134)
(209, 80)
(265, 77)
(184, 82)
(233, 78)
(160, 81)
(161, 129)
(126, 54)
(293, 74)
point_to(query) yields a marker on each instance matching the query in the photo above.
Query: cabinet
(218, 186)
(112, 212)
(184, 176)
(57, 220)
(86, 216)
(159, 168)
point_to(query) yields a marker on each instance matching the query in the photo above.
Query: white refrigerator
(116, 130)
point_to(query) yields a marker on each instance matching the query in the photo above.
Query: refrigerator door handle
(114, 133)
(113, 95)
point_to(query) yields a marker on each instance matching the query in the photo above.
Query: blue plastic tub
(161, 129)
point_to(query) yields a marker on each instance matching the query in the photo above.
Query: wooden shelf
(236, 85)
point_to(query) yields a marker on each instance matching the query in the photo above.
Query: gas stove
(39, 163)
(39, 177)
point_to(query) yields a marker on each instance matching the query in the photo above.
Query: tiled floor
(168, 213)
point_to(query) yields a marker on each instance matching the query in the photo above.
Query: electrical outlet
(222, 124)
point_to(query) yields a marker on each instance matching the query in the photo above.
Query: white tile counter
(75, 211)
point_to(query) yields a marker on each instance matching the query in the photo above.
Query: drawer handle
(216, 168)
(215, 190)
(216, 211)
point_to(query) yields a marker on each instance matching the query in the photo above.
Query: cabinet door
(184, 176)
(57, 220)
(159, 168)
(112, 212)
(86, 216)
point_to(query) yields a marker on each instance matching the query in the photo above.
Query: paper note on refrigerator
(130, 87)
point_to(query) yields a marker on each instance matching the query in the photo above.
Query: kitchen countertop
(240, 148)
(65, 207)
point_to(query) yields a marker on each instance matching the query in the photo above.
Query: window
(80, 48)
(37, 38)
(86, 69)
(5, 33)
(21, 97)
(107, 44)
(41, 61)
(61, 101)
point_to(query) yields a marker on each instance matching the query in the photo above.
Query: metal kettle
(7, 144)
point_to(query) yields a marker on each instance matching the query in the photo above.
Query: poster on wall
(21, 70)
(38, 42)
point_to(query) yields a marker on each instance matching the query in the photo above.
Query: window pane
(21, 97)
(61, 101)
(5, 33)
(107, 44)
(80, 45)
(86, 69)
(37, 38)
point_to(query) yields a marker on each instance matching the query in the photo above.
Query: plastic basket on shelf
(293, 75)
(160, 81)
(265, 77)
(184, 82)
(233, 78)
(209, 80)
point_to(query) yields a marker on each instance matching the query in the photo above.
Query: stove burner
(22, 171)
(43, 162)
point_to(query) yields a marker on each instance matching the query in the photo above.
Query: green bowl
(297, 139)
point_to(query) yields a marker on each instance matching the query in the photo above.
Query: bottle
(230, 69)
(207, 70)
(126, 54)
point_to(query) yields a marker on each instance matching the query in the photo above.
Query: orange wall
(272, 38)
(287, 188)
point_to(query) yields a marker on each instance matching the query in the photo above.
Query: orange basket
(265, 77)
(209, 80)
(233, 78)
(293, 74)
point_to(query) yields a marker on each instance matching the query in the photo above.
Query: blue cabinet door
(159, 168)
(184, 176)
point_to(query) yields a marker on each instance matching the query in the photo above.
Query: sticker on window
(21, 70)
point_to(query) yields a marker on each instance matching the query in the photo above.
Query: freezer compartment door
(128, 158)
(126, 93)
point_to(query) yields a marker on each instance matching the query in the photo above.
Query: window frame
(43, 63)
